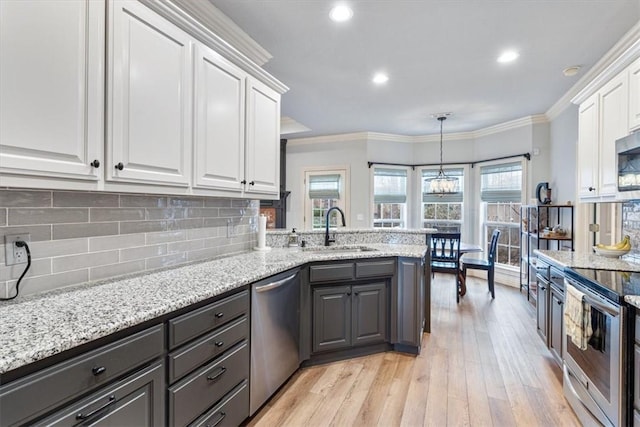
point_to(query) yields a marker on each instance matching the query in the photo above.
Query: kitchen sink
(339, 248)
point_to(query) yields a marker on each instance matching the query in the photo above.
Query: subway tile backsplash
(79, 236)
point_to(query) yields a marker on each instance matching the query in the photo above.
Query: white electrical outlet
(13, 253)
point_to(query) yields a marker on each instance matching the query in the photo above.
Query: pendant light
(442, 184)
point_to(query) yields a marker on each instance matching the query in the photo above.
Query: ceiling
(440, 56)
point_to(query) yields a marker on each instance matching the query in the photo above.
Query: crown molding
(288, 125)
(620, 56)
(388, 137)
(213, 18)
(180, 17)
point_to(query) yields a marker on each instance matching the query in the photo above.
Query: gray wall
(82, 236)
(564, 142)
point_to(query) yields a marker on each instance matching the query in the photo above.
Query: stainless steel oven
(593, 378)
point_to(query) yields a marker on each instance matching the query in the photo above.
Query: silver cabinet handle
(274, 285)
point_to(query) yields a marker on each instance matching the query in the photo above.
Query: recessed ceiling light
(571, 71)
(508, 56)
(380, 78)
(341, 13)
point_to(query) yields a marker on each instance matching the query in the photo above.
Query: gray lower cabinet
(208, 362)
(542, 313)
(409, 303)
(556, 312)
(349, 315)
(636, 372)
(55, 388)
(137, 400)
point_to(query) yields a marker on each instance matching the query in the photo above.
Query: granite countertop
(38, 326)
(590, 260)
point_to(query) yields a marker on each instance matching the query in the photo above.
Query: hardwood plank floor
(482, 365)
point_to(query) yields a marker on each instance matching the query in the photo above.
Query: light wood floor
(483, 364)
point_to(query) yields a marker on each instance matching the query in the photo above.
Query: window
(389, 197)
(442, 212)
(324, 190)
(501, 194)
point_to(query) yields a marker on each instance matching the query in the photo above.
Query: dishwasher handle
(270, 286)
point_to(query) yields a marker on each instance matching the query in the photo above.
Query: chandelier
(442, 184)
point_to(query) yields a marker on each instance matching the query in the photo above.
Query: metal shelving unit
(534, 219)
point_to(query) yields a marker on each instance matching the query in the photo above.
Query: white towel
(577, 318)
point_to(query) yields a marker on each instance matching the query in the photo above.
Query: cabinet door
(636, 376)
(331, 318)
(219, 122)
(614, 124)
(137, 400)
(634, 95)
(556, 311)
(51, 88)
(369, 313)
(263, 140)
(410, 302)
(588, 130)
(541, 309)
(149, 112)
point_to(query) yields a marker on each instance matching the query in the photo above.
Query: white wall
(352, 154)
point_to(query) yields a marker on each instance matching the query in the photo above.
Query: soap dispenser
(293, 239)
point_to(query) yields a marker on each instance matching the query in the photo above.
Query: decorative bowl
(610, 253)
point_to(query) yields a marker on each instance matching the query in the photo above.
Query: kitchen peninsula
(50, 332)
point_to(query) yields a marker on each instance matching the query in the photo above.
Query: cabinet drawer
(135, 400)
(331, 272)
(45, 390)
(375, 268)
(194, 394)
(205, 319)
(231, 411)
(185, 359)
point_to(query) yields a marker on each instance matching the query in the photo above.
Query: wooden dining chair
(445, 256)
(484, 264)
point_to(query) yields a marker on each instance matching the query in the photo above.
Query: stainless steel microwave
(628, 161)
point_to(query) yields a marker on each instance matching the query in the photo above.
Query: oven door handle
(593, 300)
(600, 306)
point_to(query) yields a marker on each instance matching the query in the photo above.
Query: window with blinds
(324, 186)
(501, 183)
(444, 212)
(501, 191)
(389, 197)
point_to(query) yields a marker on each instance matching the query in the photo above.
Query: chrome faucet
(327, 240)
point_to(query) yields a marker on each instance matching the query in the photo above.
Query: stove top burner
(613, 285)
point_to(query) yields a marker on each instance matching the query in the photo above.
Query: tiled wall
(631, 226)
(82, 236)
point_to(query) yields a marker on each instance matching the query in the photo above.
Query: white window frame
(408, 193)
(343, 202)
(464, 187)
(484, 224)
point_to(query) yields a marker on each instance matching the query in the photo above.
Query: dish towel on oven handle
(577, 318)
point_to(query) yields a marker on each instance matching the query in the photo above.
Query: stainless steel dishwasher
(275, 335)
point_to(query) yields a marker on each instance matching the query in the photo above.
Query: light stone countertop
(38, 326)
(582, 260)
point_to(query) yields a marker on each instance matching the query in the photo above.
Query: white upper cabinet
(219, 122)
(51, 89)
(588, 130)
(263, 140)
(149, 115)
(634, 96)
(614, 98)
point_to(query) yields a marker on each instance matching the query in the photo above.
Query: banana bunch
(622, 245)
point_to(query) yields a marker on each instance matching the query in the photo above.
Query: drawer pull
(217, 375)
(81, 416)
(222, 415)
(97, 370)
(219, 315)
(219, 343)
